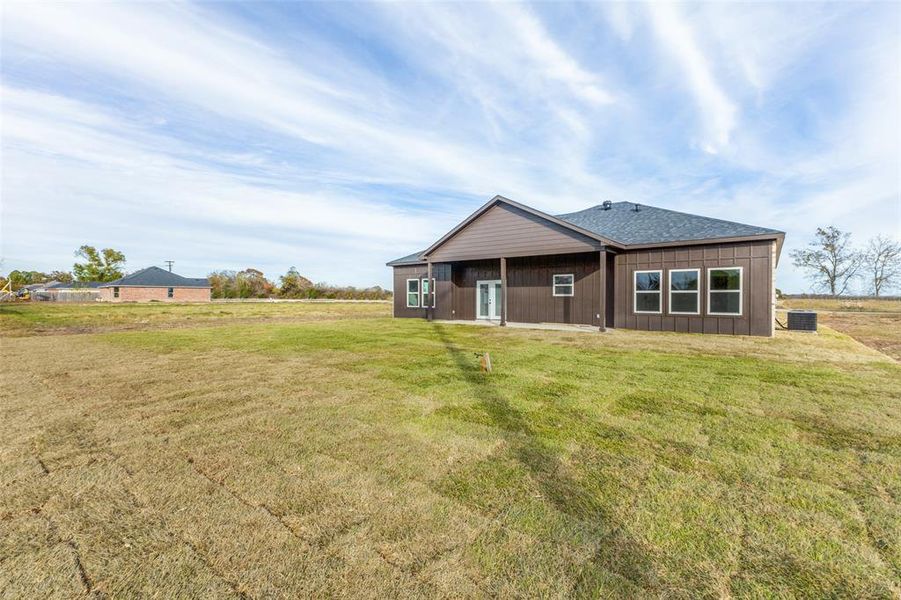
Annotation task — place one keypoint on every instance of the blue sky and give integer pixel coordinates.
(337, 136)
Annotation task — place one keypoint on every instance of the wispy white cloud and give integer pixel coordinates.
(60, 154)
(317, 136)
(717, 110)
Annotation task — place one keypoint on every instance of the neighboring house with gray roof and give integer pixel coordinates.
(639, 266)
(73, 291)
(155, 284)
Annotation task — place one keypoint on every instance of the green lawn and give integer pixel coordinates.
(344, 453)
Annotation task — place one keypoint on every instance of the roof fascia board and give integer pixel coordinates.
(406, 264)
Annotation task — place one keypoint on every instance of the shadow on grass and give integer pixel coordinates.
(615, 551)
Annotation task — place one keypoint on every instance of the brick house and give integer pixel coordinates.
(154, 283)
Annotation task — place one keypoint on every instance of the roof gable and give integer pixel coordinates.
(513, 227)
(505, 230)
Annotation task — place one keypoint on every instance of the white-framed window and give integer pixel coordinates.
(684, 292)
(647, 291)
(724, 291)
(412, 293)
(564, 285)
(428, 290)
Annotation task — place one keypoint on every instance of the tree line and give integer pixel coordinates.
(833, 264)
(109, 264)
(252, 283)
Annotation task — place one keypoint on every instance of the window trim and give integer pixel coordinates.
(431, 292)
(418, 292)
(669, 296)
(635, 292)
(740, 290)
(572, 285)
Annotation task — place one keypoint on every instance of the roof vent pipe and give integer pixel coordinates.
(607, 204)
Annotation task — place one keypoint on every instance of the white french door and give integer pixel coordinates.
(488, 299)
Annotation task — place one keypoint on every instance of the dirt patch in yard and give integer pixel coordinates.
(881, 331)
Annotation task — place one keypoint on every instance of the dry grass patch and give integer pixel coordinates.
(843, 304)
(879, 331)
(369, 457)
(37, 318)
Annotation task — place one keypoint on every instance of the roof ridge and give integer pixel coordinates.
(670, 210)
(601, 205)
(679, 212)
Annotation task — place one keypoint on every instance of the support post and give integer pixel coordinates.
(503, 292)
(602, 277)
(428, 297)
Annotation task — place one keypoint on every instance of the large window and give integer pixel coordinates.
(684, 291)
(412, 293)
(647, 291)
(563, 285)
(724, 288)
(427, 291)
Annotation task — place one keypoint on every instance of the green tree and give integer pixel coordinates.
(251, 283)
(294, 285)
(105, 265)
(222, 284)
(20, 279)
(61, 276)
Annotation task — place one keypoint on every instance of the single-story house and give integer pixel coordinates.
(154, 283)
(639, 266)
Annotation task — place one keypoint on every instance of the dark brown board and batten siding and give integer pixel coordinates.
(756, 259)
(441, 273)
(507, 231)
(530, 288)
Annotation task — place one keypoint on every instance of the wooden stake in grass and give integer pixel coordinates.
(486, 362)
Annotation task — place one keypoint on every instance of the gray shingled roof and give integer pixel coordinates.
(410, 259)
(652, 225)
(157, 277)
(621, 223)
(75, 285)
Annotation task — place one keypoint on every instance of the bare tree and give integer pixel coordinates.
(830, 261)
(882, 263)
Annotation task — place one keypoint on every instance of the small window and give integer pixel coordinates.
(170, 292)
(724, 291)
(115, 292)
(412, 293)
(563, 285)
(427, 291)
(647, 291)
(684, 291)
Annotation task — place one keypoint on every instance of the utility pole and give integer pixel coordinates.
(170, 263)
